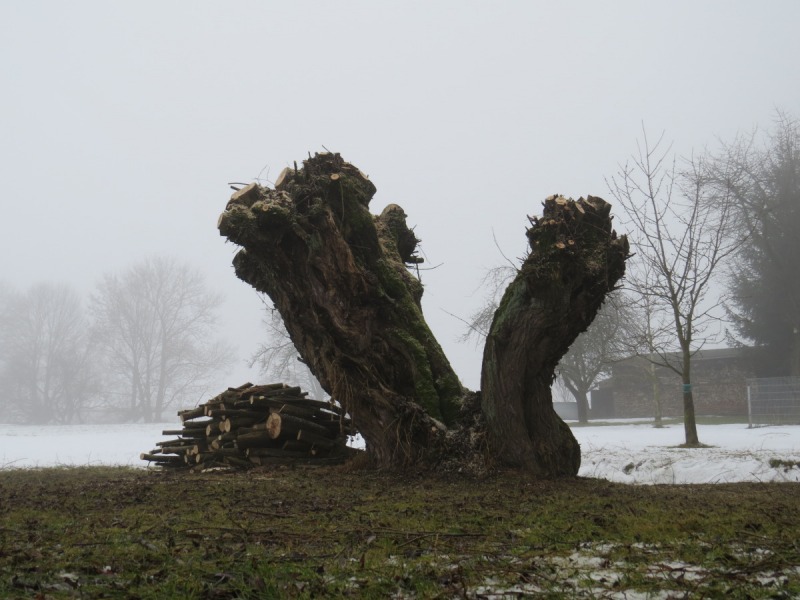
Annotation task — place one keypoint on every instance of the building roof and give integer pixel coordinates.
(699, 355)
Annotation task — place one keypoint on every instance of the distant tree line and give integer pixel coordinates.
(142, 343)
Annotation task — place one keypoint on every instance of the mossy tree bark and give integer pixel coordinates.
(338, 276)
(575, 259)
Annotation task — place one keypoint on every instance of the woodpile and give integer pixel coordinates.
(256, 425)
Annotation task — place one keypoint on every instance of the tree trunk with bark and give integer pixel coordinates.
(339, 278)
(689, 421)
(581, 396)
(575, 259)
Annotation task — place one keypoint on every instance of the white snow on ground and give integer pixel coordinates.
(631, 453)
(78, 445)
(622, 452)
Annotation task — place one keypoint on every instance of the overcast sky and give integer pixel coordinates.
(121, 123)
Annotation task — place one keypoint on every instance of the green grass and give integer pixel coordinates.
(786, 465)
(330, 532)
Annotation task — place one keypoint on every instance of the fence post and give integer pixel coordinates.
(749, 408)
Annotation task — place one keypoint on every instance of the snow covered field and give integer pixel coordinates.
(623, 452)
(642, 454)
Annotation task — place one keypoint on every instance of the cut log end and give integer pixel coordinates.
(244, 426)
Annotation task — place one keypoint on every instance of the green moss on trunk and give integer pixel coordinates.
(338, 277)
(575, 260)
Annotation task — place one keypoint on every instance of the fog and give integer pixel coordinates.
(122, 124)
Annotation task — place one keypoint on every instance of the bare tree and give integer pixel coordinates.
(681, 235)
(649, 331)
(155, 323)
(339, 277)
(595, 351)
(495, 281)
(47, 370)
(278, 358)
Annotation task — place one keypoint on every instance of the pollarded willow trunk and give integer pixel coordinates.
(338, 276)
(575, 259)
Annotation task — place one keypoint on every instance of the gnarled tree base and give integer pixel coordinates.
(575, 259)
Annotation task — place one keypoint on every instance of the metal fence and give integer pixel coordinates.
(773, 401)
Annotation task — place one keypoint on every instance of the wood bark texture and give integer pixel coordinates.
(338, 276)
(575, 259)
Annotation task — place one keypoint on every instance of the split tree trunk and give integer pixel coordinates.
(338, 277)
(575, 259)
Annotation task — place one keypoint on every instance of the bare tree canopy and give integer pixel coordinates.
(649, 331)
(278, 359)
(494, 282)
(45, 357)
(338, 277)
(155, 324)
(681, 234)
(595, 351)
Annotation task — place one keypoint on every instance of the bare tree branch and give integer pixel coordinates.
(682, 236)
(155, 323)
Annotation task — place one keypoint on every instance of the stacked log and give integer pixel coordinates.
(256, 425)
